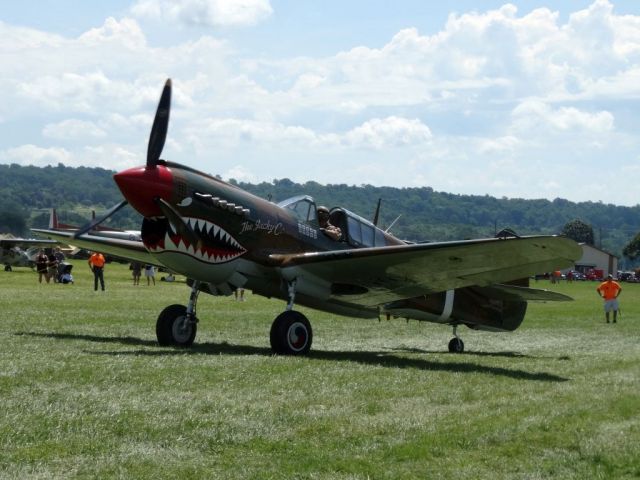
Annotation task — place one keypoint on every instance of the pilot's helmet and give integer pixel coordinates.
(323, 213)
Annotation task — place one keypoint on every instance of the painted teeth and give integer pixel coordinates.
(202, 227)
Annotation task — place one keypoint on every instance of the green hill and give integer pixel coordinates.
(28, 193)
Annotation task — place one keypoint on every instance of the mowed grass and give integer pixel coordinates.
(87, 393)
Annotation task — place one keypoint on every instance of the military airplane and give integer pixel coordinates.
(13, 253)
(223, 238)
(100, 230)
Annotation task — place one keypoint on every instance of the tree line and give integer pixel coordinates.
(417, 213)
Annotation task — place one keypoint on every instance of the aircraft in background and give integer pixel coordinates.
(100, 230)
(223, 238)
(19, 252)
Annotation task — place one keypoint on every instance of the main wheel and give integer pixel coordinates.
(456, 345)
(291, 334)
(7, 268)
(172, 329)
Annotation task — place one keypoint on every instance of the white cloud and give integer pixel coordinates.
(37, 156)
(389, 132)
(111, 156)
(125, 33)
(531, 116)
(205, 12)
(241, 174)
(478, 106)
(73, 129)
(498, 145)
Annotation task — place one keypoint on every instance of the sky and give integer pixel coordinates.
(521, 99)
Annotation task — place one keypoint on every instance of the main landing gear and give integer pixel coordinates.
(177, 325)
(456, 345)
(291, 332)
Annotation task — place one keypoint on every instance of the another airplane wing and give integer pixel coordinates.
(127, 249)
(373, 276)
(25, 242)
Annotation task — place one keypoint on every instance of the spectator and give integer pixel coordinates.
(96, 264)
(150, 273)
(609, 290)
(42, 266)
(136, 271)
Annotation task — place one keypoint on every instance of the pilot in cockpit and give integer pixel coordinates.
(326, 227)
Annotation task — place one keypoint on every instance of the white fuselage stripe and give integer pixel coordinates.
(448, 306)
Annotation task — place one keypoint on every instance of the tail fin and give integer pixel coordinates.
(53, 220)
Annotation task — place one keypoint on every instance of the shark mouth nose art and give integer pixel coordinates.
(215, 245)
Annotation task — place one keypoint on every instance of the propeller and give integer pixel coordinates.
(157, 138)
(93, 223)
(160, 126)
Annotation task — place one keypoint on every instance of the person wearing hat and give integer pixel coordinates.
(610, 290)
(331, 231)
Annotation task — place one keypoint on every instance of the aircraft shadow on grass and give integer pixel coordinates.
(364, 357)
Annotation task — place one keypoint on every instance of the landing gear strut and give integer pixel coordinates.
(291, 332)
(456, 345)
(177, 325)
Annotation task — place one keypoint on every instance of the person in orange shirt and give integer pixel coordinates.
(96, 264)
(610, 290)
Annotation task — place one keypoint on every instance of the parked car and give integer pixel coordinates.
(627, 277)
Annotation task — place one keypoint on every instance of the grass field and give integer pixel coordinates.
(87, 393)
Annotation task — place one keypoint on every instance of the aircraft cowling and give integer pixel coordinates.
(476, 307)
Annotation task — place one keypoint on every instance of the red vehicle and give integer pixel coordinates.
(595, 274)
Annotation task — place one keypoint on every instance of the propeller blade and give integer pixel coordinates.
(182, 228)
(96, 221)
(160, 126)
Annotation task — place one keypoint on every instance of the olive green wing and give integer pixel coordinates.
(374, 276)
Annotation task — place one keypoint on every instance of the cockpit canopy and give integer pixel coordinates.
(303, 206)
(356, 231)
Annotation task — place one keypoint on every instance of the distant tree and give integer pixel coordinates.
(579, 231)
(13, 221)
(632, 250)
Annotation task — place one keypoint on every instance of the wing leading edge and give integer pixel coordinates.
(127, 249)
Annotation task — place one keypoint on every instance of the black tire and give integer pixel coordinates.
(291, 334)
(456, 345)
(169, 327)
(7, 268)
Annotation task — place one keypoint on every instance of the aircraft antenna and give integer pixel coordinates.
(393, 223)
(376, 215)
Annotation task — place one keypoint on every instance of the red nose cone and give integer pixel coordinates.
(142, 185)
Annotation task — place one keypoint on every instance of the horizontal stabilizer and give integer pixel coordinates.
(512, 292)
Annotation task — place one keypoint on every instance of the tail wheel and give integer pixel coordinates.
(291, 334)
(173, 329)
(456, 345)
